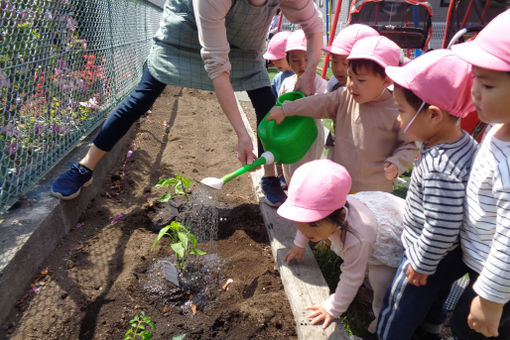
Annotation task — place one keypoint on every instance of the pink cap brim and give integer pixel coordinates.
(335, 50)
(299, 214)
(397, 74)
(476, 55)
(369, 57)
(270, 56)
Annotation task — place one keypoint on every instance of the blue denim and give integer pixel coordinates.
(406, 307)
(458, 322)
(128, 112)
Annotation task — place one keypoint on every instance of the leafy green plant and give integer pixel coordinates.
(138, 325)
(177, 185)
(183, 242)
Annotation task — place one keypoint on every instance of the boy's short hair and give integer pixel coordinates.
(372, 66)
(415, 101)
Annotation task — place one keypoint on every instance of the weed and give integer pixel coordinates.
(177, 185)
(138, 325)
(183, 242)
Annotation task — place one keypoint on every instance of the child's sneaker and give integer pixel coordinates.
(271, 187)
(69, 184)
(283, 182)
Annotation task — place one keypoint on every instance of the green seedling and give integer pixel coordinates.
(138, 325)
(183, 242)
(177, 186)
(179, 337)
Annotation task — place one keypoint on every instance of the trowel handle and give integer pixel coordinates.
(266, 157)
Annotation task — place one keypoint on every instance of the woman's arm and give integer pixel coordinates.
(212, 34)
(227, 100)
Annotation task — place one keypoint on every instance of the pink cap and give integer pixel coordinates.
(491, 47)
(378, 49)
(276, 46)
(296, 41)
(316, 190)
(439, 78)
(344, 40)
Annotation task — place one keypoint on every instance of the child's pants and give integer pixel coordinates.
(458, 323)
(406, 306)
(314, 153)
(145, 94)
(380, 278)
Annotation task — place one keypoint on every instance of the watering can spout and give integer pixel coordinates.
(217, 183)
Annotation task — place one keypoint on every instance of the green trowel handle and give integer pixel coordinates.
(248, 167)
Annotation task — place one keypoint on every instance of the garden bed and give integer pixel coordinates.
(103, 273)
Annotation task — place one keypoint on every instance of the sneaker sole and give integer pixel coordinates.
(70, 197)
(271, 204)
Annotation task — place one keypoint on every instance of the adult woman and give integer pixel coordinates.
(206, 44)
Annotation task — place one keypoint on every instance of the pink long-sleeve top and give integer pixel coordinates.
(367, 136)
(354, 247)
(212, 32)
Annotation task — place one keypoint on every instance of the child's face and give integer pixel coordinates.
(365, 86)
(281, 64)
(406, 113)
(297, 61)
(316, 231)
(491, 95)
(339, 67)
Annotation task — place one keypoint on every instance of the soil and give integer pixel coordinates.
(103, 272)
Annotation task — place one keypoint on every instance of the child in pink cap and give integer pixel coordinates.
(276, 53)
(432, 94)
(364, 230)
(484, 310)
(369, 142)
(340, 49)
(297, 57)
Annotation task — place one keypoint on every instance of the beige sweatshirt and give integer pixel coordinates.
(367, 135)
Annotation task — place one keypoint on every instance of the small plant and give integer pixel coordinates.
(179, 337)
(183, 242)
(177, 186)
(138, 325)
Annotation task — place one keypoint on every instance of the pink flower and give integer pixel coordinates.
(129, 154)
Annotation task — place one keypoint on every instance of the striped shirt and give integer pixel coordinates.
(485, 236)
(434, 203)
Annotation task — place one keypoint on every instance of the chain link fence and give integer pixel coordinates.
(64, 64)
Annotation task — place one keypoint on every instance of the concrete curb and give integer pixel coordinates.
(31, 230)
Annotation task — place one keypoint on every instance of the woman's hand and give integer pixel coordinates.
(294, 253)
(276, 114)
(484, 316)
(245, 150)
(319, 315)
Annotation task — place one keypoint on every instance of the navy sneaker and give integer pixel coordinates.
(69, 184)
(283, 182)
(271, 187)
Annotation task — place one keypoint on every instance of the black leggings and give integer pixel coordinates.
(262, 100)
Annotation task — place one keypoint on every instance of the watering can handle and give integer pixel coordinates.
(266, 158)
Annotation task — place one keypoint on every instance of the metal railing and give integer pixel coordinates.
(64, 64)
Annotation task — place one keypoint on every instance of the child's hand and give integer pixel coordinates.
(295, 252)
(484, 316)
(276, 114)
(415, 278)
(390, 171)
(320, 314)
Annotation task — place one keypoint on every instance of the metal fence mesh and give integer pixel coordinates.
(64, 64)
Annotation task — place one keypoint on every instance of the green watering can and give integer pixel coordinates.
(285, 143)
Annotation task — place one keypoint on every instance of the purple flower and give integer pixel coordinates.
(4, 82)
(11, 148)
(129, 154)
(48, 16)
(71, 24)
(57, 129)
